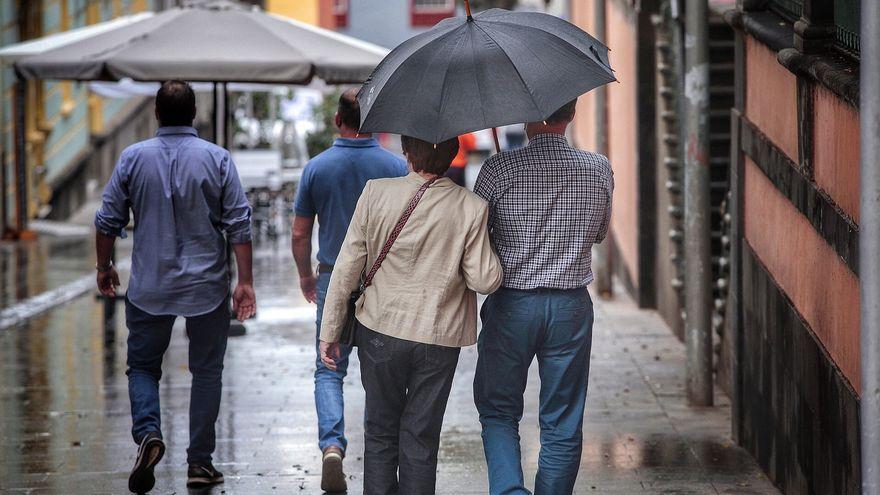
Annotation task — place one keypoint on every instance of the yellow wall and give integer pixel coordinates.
(301, 10)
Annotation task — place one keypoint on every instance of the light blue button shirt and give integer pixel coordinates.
(185, 195)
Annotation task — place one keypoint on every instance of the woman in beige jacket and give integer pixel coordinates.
(419, 311)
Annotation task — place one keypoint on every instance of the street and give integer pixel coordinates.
(64, 413)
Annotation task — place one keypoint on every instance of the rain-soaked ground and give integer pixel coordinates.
(64, 413)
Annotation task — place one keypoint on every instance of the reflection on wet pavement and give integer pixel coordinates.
(64, 413)
(28, 268)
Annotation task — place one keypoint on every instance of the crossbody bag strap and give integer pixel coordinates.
(396, 232)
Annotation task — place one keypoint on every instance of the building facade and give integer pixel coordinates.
(784, 152)
(71, 134)
(315, 12)
(389, 22)
(796, 226)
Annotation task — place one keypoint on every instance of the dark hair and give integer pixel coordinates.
(175, 104)
(349, 109)
(428, 157)
(564, 114)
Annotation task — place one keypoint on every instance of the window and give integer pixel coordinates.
(430, 12)
(843, 14)
(790, 9)
(340, 13)
(846, 23)
(427, 6)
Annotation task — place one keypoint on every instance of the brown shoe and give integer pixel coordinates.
(332, 476)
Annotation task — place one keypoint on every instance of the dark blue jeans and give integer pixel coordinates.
(329, 401)
(148, 338)
(407, 387)
(556, 327)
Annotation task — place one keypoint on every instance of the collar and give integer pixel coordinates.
(417, 178)
(356, 142)
(549, 138)
(177, 129)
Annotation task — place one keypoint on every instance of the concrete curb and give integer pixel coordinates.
(39, 304)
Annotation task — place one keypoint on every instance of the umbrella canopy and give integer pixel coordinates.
(220, 42)
(493, 69)
(17, 51)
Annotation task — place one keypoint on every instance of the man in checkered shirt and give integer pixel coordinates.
(548, 204)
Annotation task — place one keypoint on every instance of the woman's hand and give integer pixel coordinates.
(330, 352)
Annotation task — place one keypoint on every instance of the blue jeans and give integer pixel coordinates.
(328, 385)
(556, 326)
(148, 338)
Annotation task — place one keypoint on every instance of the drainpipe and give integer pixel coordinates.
(604, 283)
(869, 246)
(698, 292)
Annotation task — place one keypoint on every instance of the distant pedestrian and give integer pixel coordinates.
(188, 203)
(420, 309)
(548, 204)
(330, 187)
(467, 144)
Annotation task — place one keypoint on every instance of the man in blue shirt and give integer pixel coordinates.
(187, 202)
(330, 187)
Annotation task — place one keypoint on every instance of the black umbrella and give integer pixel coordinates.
(492, 69)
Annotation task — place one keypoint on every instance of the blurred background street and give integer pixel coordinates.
(769, 323)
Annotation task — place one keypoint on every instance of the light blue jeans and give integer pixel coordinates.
(556, 327)
(328, 385)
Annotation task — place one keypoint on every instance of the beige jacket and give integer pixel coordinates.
(424, 291)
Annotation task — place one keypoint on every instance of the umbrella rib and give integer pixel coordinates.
(476, 81)
(446, 76)
(525, 85)
(600, 63)
(393, 70)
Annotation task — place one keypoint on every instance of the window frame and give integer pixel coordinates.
(851, 46)
(790, 10)
(424, 16)
(341, 8)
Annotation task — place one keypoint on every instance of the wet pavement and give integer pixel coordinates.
(64, 413)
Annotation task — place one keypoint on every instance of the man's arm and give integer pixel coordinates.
(110, 222)
(301, 244)
(606, 220)
(244, 300)
(485, 186)
(108, 279)
(236, 222)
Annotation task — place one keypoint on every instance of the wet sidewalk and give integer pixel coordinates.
(64, 413)
(56, 267)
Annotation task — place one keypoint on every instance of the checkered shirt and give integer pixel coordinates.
(548, 204)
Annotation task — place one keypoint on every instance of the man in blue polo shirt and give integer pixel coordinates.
(330, 187)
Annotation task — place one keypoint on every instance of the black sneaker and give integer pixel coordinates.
(203, 475)
(150, 453)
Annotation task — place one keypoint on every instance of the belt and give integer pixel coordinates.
(546, 290)
(323, 268)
